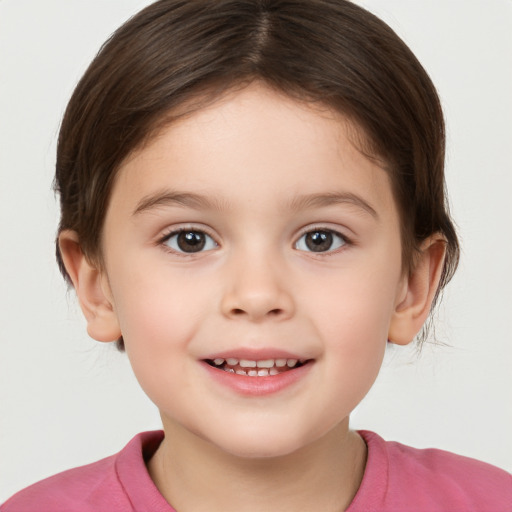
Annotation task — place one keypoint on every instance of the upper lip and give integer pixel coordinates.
(251, 354)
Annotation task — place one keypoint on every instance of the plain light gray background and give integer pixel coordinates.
(66, 400)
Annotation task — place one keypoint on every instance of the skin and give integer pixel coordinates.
(255, 156)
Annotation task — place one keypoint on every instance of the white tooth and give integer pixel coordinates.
(252, 373)
(280, 363)
(273, 371)
(267, 363)
(241, 372)
(263, 373)
(218, 361)
(232, 361)
(291, 363)
(244, 363)
(229, 370)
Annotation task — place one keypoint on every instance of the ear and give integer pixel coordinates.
(92, 288)
(418, 291)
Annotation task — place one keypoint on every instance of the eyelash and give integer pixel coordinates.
(346, 242)
(163, 241)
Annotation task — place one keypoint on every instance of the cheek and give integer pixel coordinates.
(353, 320)
(357, 304)
(157, 310)
(357, 341)
(158, 318)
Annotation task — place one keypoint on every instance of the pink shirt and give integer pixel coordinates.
(397, 478)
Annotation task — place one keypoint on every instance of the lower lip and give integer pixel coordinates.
(258, 386)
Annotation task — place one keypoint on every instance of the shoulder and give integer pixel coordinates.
(66, 491)
(436, 480)
(97, 487)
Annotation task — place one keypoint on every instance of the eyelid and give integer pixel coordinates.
(348, 241)
(186, 226)
(176, 230)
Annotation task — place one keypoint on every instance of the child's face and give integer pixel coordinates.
(290, 250)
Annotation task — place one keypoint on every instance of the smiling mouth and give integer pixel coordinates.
(259, 368)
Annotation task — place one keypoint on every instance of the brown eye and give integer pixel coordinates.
(189, 241)
(320, 240)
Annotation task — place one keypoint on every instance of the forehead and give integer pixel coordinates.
(254, 145)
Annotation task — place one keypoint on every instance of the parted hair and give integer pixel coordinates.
(176, 56)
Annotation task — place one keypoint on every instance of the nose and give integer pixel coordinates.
(257, 289)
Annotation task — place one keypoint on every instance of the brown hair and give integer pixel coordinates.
(178, 53)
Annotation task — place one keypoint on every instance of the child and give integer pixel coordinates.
(252, 201)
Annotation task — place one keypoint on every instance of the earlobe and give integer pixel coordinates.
(418, 291)
(92, 289)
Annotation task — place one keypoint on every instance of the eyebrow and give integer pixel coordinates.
(308, 201)
(199, 201)
(172, 198)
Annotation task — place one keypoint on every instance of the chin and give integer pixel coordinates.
(261, 443)
(258, 450)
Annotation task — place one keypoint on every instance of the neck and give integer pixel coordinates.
(194, 475)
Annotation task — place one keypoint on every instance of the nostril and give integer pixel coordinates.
(272, 312)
